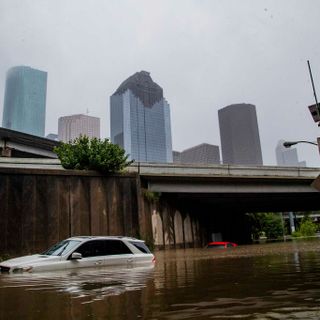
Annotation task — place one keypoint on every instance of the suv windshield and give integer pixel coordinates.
(62, 247)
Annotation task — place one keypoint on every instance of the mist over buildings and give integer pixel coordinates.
(205, 54)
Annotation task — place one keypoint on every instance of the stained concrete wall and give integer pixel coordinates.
(37, 210)
(41, 207)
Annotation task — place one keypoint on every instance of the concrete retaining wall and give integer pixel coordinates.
(39, 208)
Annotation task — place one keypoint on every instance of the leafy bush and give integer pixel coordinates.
(272, 226)
(92, 154)
(307, 227)
(151, 197)
(296, 234)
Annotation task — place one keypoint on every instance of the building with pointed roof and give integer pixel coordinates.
(140, 119)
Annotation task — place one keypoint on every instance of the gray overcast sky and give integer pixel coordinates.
(206, 54)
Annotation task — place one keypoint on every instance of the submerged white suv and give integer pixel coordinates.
(84, 251)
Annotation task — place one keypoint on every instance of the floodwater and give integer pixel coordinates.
(269, 281)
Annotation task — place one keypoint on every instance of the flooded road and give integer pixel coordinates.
(270, 281)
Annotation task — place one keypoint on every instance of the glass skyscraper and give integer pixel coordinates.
(140, 119)
(25, 100)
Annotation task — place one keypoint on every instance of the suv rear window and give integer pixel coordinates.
(140, 246)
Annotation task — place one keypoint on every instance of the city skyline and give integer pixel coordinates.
(215, 54)
(71, 126)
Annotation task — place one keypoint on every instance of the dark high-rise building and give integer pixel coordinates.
(25, 100)
(140, 119)
(239, 134)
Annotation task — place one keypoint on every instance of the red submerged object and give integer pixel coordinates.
(221, 244)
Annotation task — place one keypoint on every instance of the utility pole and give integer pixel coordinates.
(313, 88)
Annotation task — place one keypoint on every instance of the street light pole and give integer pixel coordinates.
(289, 144)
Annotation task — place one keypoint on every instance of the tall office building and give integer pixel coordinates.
(203, 153)
(287, 157)
(140, 119)
(25, 100)
(71, 127)
(239, 134)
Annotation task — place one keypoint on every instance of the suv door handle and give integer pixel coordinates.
(129, 260)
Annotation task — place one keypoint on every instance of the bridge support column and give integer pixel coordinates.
(291, 220)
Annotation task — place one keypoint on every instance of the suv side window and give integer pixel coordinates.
(95, 248)
(116, 247)
(92, 248)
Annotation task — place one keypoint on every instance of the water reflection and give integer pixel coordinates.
(273, 281)
(91, 284)
(243, 283)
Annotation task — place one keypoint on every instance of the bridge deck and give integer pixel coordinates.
(238, 187)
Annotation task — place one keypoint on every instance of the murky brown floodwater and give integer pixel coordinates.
(272, 281)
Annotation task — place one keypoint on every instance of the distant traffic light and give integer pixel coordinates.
(314, 110)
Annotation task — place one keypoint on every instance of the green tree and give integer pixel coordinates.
(256, 224)
(272, 226)
(92, 154)
(268, 223)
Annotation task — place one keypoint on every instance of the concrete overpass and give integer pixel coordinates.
(22, 145)
(222, 187)
(250, 189)
(197, 202)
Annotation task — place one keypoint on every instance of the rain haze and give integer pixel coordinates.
(205, 54)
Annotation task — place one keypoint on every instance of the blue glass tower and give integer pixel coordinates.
(25, 100)
(140, 119)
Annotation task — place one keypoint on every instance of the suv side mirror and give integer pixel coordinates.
(76, 256)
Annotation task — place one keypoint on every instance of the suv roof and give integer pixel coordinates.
(82, 238)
